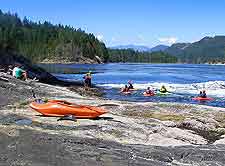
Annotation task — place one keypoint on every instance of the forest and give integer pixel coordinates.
(45, 42)
(40, 41)
(129, 55)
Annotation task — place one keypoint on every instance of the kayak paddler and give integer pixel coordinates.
(163, 89)
(130, 85)
(200, 94)
(125, 89)
(149, 91)
(204, 94)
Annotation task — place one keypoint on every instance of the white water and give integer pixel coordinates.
(213, 88)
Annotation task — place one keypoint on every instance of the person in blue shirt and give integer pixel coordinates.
(19, 73)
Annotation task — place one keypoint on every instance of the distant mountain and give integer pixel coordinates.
(159, 48)
(177, 48)
(133, 47)
(207, 50)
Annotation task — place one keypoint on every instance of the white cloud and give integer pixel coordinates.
(100, 37)
(169, 40)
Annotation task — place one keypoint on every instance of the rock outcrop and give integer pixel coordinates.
(130, 134)
(9, 58)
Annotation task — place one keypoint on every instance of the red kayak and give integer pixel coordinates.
(202, 98)
(146, 94)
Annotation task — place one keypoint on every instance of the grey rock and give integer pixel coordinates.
(36, 148)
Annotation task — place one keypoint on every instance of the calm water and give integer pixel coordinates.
(183, 80)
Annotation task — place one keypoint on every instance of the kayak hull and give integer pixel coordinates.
(202, 99)
(126, 93)
(62, 108)
(163, 93)
(148, 95)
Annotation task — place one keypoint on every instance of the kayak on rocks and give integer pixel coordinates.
(62, 108)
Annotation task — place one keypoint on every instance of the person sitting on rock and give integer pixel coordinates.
(19, 73)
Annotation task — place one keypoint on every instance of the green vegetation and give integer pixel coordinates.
(129, 55)
(207, 50)
(45, 41)
(20, 105)
(58, 43)
(155, 115)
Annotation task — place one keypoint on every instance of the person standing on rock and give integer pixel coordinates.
(87, 80)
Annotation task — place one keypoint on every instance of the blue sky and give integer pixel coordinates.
(120, 22)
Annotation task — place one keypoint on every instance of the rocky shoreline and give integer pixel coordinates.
(130, 134)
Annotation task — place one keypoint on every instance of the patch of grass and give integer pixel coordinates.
(163, 105)
(169, 117)
(36, 123)
(175, 106)
(220, 117)
(116, 133)
(45, 100)
(20, 105)
(155, 115)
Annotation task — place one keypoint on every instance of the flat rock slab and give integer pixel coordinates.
(3, 100)
(29, 147)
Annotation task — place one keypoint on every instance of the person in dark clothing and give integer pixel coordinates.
(130, 86)
(87, 80)
(204, 94)
(200, 94)
(149, 91)
(125, 89)
(163, 89)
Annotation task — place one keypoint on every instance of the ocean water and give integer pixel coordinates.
(183, 80)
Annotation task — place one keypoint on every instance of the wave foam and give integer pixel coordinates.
(213, 88)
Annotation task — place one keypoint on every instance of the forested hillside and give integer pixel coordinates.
(47, 42)
(207, 50)
(129, 55)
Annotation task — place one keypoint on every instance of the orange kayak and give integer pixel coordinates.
(62, 108)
